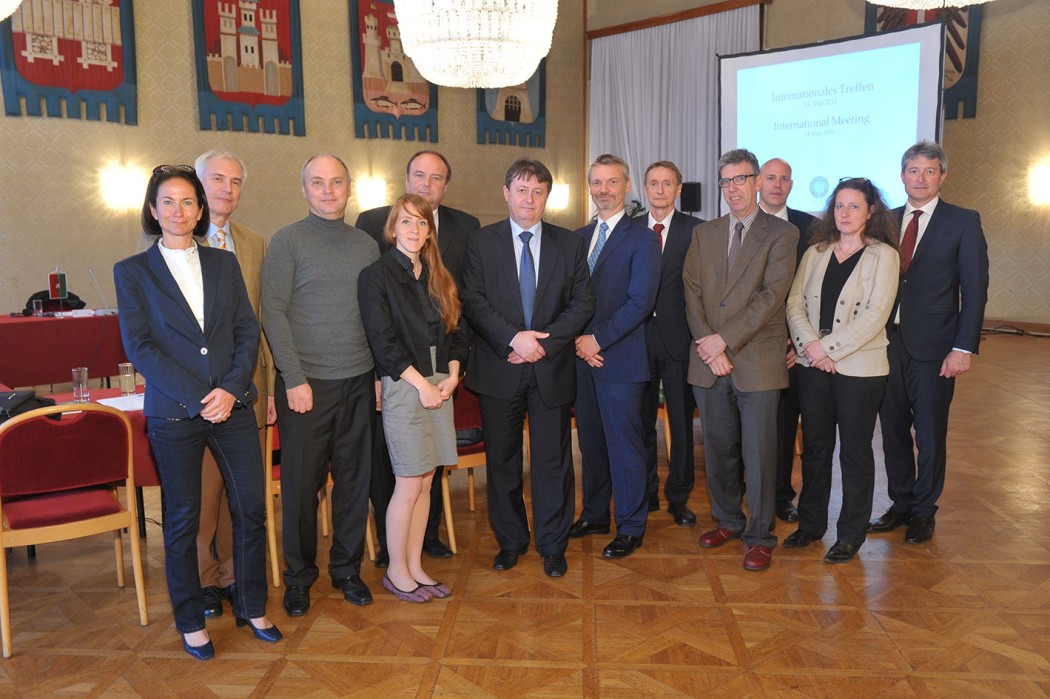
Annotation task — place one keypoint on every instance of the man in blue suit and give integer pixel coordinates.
(613, 363)
(934, 331)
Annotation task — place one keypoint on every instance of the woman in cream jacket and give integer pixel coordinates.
(837, 312)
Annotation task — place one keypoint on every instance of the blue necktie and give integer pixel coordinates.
(527, 278)
(592, 259)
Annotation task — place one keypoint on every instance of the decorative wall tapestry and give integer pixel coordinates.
(69, 54)
(249, 56)
(962, 46)
(391, 98)
(515, 115)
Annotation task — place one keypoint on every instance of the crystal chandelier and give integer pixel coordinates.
(928, 4)
(476, 43)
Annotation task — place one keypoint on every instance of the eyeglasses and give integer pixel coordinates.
(739, 180)
(168, 169)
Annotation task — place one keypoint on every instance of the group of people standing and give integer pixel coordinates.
(369, 330)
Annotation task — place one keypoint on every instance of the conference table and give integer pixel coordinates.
(39, 351)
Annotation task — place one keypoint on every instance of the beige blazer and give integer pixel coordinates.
(858, 340)
(746, 305)
(250, 249)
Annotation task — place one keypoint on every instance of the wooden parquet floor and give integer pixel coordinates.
(966, 615)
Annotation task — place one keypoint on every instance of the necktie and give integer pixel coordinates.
(221, 235)
(911, 234)
(527, 278)
(734, 245)
(659, 229)
(592, 259)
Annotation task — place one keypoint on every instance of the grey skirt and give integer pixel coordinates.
(418, 439)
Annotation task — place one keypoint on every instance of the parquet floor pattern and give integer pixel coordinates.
(966, 615)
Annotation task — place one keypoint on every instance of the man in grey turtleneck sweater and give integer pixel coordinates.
(325, 390)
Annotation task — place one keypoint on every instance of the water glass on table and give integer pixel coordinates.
(81, 392)
(127, 379)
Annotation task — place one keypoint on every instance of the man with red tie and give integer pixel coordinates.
(934, 331)
(669, 343)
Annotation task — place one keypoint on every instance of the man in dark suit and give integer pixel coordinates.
(737, 274)
(933, 333)
(427, 174)
(527, 295)
(669, 344)
(774, 186)
(613, 363)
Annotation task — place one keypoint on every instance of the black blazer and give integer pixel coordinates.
(182, 363)
(395, 322)
(802, 221)
(670, 326)
(492, 304)
(943, 294)
(454, 230)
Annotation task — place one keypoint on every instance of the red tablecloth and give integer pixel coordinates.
(37, 351)
(145, 467)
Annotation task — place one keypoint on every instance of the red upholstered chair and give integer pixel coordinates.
(58, 481)
(467, 416)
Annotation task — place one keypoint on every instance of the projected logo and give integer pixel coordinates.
(961, 48)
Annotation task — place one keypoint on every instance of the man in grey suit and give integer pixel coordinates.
(737, 274)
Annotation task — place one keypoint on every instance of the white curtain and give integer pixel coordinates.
(654, 96)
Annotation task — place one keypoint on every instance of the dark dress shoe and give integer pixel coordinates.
(296, 600)
(382, 559)
(508, 558)
(841, 552)
(270, 635)
(758, 557)
(436, 549)
(622, 546)
(919, 529)
(212, 601)
(654, 503)
(888, 521)
(205, 652)
(584, 528)
(683, 516)
(799, 539)
(716, 537)
(554, 565)
(787, 512)
(354, 590)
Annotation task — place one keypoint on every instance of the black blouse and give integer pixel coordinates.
(835, 278)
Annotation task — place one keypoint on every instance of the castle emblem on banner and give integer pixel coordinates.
(391, 98)
(249, 65)
(70, 58)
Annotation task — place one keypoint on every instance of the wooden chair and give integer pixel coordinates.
(272, 476)
(467, 411)
(58, 481)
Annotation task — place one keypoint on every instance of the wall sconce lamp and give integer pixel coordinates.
(370, 192)
(1039, 183)
(123, 186)
(559, 197)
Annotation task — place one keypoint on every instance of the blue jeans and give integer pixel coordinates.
(178, 447)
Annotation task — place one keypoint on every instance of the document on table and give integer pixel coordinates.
(125, 403)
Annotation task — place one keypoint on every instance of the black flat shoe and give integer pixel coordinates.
(435, 549)
(622, 546)
(919, 529)
(799, 539)
(205, 652)
(584, 528)
(889, 521)
(683, 516)
(508, 558)
(270, 635)
(841, 552)
(296, 600)
(354, 590)
(212, 601)
(554, 565)
(786, 511)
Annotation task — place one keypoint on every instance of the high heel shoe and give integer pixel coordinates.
(270, 635)
(205, 652)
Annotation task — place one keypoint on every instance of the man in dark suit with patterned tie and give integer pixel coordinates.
(427, 174)
(612, 366)
(774, 186)
(527, 295)
(934, 331)
(669, 343)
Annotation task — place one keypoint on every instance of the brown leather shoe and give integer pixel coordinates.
(758, 557)
(716, 537)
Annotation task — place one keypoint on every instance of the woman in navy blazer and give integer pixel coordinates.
(411, 313)
(188, 327)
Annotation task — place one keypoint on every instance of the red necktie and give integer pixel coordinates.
(659, 228)
(911, 234)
